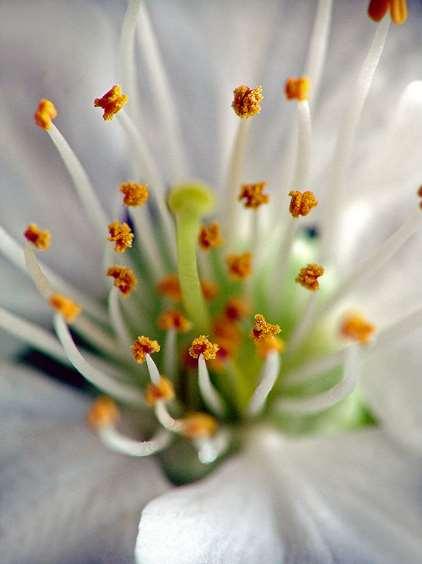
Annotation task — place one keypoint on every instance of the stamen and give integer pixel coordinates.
(142, 347)
(269, 344)
(297, 88)
(210, 236)
(203, 346)
(308, 276)
(398, 11)
(236, 309)
(378, 8)
(166, 420)
(45, 113)
(247, 101)
(240, 266)
(114, 440)
(153, 371)
(67, 308)
(420, 196)
(354, 326)
(263, 329)
(209, 394)
(163, 390)
(112, 102)
(268, 378)
(199, 425)
(169, 286)
(40, 238)
(134, 194)
(301, 203)
(122, 236)
(253, 195)
(209, 290)
(124, 278)
(173, 319)
(102, 413)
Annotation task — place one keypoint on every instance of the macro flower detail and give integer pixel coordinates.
(45, 114)
(122, 236)
(134, 194)
(124, 278)
(112, 102)
(301, 203)
(40, 238)
(297, 88)
(247, 101)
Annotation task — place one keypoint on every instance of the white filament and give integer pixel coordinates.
(83, 186)
(211, 448)
(318, 45)
(313, 369)
(40, 280)
(166, 420)
(153, 371)
(116, 318)
(303, 153)
(270, 372)
(401, 328)
(281, 263)
(113, 439)
(325, 400)
(170, 354)
(127, 55)
(209, 394)
(98, 378)
(302, 328)
(145, 240)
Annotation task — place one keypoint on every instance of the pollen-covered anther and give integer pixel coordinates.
(262, 328)
(253, 195)
(134, 194)
(143, 346)
(398, 10)
(247, 101)
(210, 236)
(45, 113)
(420, 196)
(301, 203)
(124, 278)
(169, 286)
(354, 326)
(268, 344)
(236, 309)
(102, 413)
(112, 102)
(199, 425)
(173, 319)
(240, 266)
(40, 238)
(297, 88)
(163, 391)
(202, 345)
(65, 306)
(308, 276)
(209, 289)
(121, 234)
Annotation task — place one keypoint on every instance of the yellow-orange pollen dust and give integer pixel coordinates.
(45, 113)
(236, 309)
(210, 236)
(209, 289)
(173, 319)
(202, 345)
(102, 413)
(112, 102)
(297, 88)
(269, 343)
(247, 101)
(143, 346)
(253, 195)
(240, 266)
(134, 194)
(301, 203)
(308, 276)
(40, 238)
(121, 234)
(65, 306)
(398, 10)
(354, 326)
(124, 278)
(262, 328)
(163, 391)
(169, 286)
(199, 426)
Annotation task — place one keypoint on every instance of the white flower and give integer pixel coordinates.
(314, 441)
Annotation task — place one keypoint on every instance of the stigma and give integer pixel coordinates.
(40, 238)
(134, 194)
(247, 101)
(143, 346)
(301, 203)
(253, 195)
(112, 102)
(45, 113)
(124, 278)
(308, 276)
(297, 88)
(122, 236)
(65, 306)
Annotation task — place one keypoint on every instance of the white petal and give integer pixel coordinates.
(65, 498)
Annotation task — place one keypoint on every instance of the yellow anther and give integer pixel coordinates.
(169, 286)
(420, 196)
(173, 319)
(269, 343)
(262, 328)
(124, 278)
(65, 306)
(240, 266)
(163, 391)
(301, 203)
(112, 102)
(134, 194)
(308, 276)
(247, 101)
(236, 309)
(253, 195)
(121, 234)
(102, 413)
(297, 88)
(45, 113)
(199, 426)
(143, 346)
(209, 289)
(202, 345)
(40, 238)
(210, 236)
(398, 10)
(354, 326)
